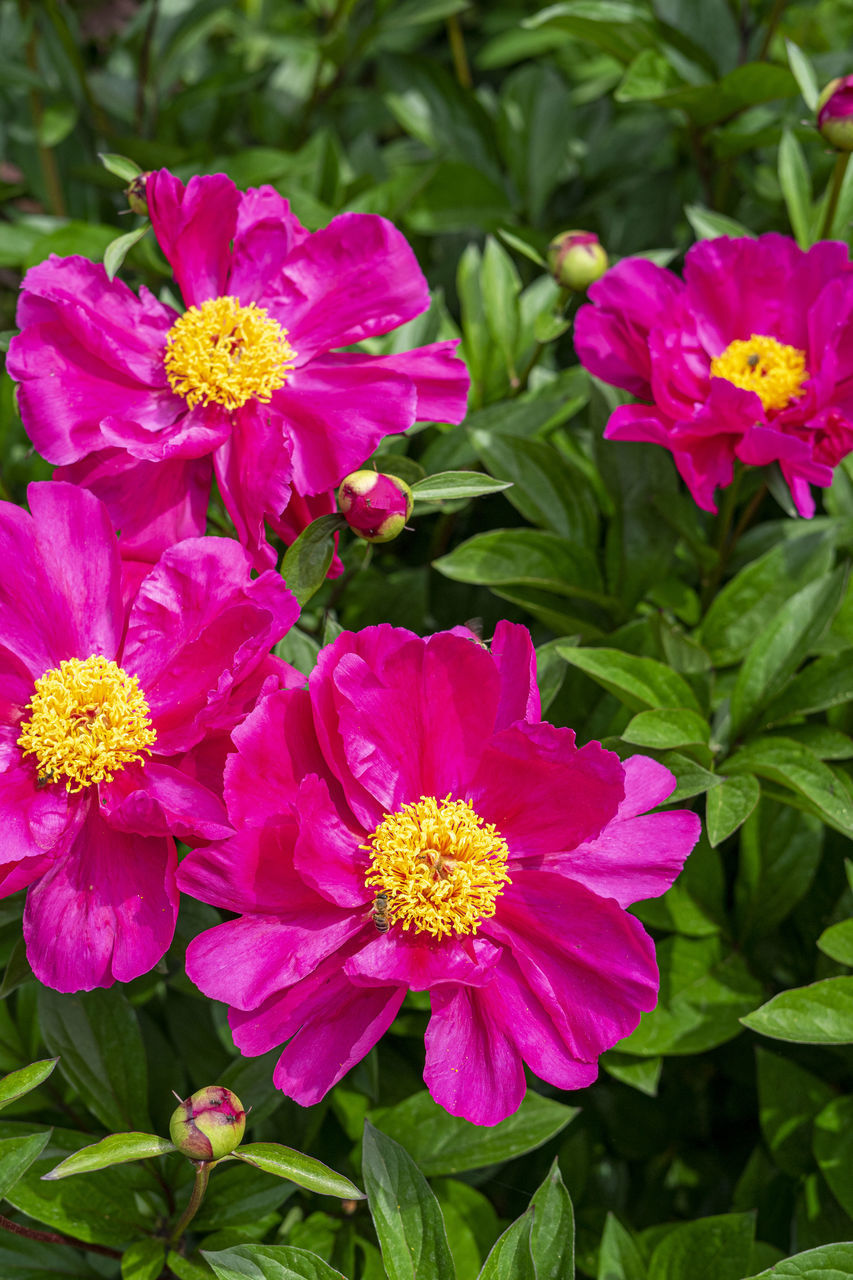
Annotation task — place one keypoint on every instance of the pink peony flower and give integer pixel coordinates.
(120, 388)
(748, 357)
(407, 822)
(113, 725)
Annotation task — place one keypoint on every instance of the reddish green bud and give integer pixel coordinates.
(835, 113)
(576, 260)
(209, 1124)
(137, 195)
(375, 506)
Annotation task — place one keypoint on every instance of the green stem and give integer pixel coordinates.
(727, 510)
(202, 1175)
(563, 298)
(772, 24)
(457, 49)
(841, 162)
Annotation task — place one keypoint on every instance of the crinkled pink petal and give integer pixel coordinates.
(332, 417)
(421, 962)
(355, 279)
(35, 820)
(328, 855)
(152, 504)
(157, 799)
(472, 1067)
(252, 873)
(105, 912)
(194, 226)
(33, 613)
(515, 658)
(267, 232)
(641, 423)
(16, 689)
(440, 378)
(253, 470)
(198, 621)
(542, 792)
(638, 854)
(193, 433)
(591, 964)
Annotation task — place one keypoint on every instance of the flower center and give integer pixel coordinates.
(774, 371)
(438, 865)
(225, 353)
(88, 720)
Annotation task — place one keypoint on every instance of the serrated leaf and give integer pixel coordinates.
(457, 484)
(306, 561)
(116, 252)
(445, 1144)
(821, 1013)
(121, 166)
(405, 1211)
(117, 1148)
(18, 1083)
(729, 805)
(304, 1170)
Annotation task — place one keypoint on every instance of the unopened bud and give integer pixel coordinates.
(137, 198)
(375, 506)
(209, 1124)
(835, 113)
(576, 260)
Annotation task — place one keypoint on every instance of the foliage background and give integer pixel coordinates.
(718, 1138)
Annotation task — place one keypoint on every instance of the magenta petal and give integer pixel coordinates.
(591, 964)
(472, 1067)
(251, 873)
(194, 226)
(267, 232)
(165, 801)
(515, 658)
(104, 912)
(421, 962)
(33, 613)
(440, 378)
(355, 279)
(253, 469)
(333, 416)
(35, 821)
(328, 853)
(542, 792)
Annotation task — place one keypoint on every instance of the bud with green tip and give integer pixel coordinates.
(576, 260)
(375, 506)
(209, 1124)
(136, 193)
(835, 113)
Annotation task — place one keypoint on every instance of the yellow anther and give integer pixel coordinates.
(225, 353)
(88, 719)
(774, 371)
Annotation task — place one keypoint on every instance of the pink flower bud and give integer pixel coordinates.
(835, 113)
(375, 506)
(576, 260)
(209, 1124)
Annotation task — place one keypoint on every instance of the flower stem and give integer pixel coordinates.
(770, 29)
(202, 1174)
(841, 162)
(51, 1237)
(457, 49)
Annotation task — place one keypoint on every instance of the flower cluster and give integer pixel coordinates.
(745, 358)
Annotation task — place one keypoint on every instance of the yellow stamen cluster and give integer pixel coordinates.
(225, 353)
(88, 719)
(773, 370)
(440, 866)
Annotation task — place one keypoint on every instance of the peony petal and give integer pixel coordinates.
(440, 378)
(156, 799)
(515, 658)
(35, 820)
(267, 232)
(421, 962)
(251, 873)
(194, 226)
(103, 913)
(328, 853)
(33, 614)
(472, 1067)
(253, 470)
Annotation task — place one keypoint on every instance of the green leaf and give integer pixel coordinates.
(779, 649)
(747, 603)
(703, 996)
(619, 1258)
(552, 1235)
(116, 252)
(640, 1073)
(826, 682)
(693, 779)
(789, 1098)
(119, 166)
(97, 1040)
(505, 557)
(269, 1262)
(304, 1170)
(798, 769)
(780, 850)
(501, 286)
(795, 180)
(118, 1148)
(510, 1258)
(729, 805)
(18, 1083)
(16, 1156)
(522, 246)
(640, 683)
(405, 1211)
(670, 727)
(306, 562)
(821, 1013)
(457, 484)
(715, 1248)
(143, 1260)
(619, 29)
(445, 1144)
(837, 942)
(707, 224)
(804, 74)
(833, 1148)
(828, 1262)
(547, 489)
